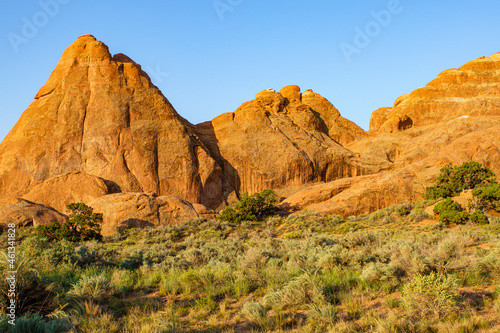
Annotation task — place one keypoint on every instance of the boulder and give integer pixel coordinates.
(59, 191)
(138, 210)
(24, 213)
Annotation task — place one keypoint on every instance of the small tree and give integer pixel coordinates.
(82, 225)
(453, 180)
(251, 207)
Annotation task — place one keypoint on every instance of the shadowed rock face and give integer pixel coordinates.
(101, 115)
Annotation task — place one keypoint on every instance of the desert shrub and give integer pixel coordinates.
(334, 256)
(418, 215)
(488, 267)
(377, 273)
(33, 294)
(486, 197)
(353, 304)
(91, 287)
(450, 212)
(133, 261)
(292, 235)
(322, 313)
(429, 295)
(124, 280)
(170, 284)
(251, 207)
(256, 313)
(404, 208)
(453, 180)
(449, 255)
(252, 263)
(478, 217)
(396, 323)
(90, 319)
(81, 225)
(94, 253)
(34, 323)
(337, 283)
(48, 254)
(360, 238)
(300, 291)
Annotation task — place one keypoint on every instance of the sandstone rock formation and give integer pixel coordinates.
(360, 195)
(101, 133)
(340, 129)
(455, 118)
(378, 118)
(282, 139)
(59, 191)
(24, 213)
(101, 115)
(471, 90)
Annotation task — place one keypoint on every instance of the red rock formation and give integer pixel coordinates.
(101, 115)
(25, 213)
(471, 90)
(137, 210)
(59, 191)
(278, 141)
(99, 127)
(454, 119)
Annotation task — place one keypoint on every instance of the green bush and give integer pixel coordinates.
(82, 225)
(47, 254)
(478, 217)
(133, 261)
(91, 287)
(429, 295)
(404, 209)
(450, 212)
(486, 197)
(251, 207)
(299, 292)
(453, 180)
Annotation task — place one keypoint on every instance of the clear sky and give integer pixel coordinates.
(210, 56)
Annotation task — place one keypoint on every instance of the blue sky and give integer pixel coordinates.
(210, 56)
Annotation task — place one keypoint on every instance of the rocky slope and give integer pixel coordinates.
(100, 132)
